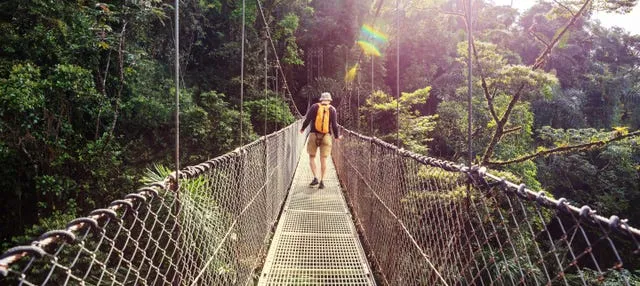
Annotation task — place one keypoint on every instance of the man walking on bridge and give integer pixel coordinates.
(326, 122)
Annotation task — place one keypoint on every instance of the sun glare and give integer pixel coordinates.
(351, 74)
(374, 34)
(369, 48)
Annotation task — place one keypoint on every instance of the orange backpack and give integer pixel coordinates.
(322, 118)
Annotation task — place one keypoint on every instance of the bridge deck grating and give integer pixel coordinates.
(315, 242)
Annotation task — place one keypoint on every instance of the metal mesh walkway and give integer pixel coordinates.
(316, 242)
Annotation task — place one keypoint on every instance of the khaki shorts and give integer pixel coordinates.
(319, 140)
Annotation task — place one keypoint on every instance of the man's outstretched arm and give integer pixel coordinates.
(334, 123)
(311, 113)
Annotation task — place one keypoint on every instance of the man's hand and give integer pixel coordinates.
(339, 137)
(301, 131)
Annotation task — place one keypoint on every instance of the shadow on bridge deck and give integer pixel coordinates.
(316, 242)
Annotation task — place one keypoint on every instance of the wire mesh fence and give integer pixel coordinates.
(210, 232)
(425, 222)
(432, 222)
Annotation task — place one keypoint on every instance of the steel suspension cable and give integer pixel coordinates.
(398, 72)
(358, 96)
(371, 112)
(266, 86)
(373, 21)
(469, 85)
(279, 67)
(177, 80)
(359, 59)
(242, 74)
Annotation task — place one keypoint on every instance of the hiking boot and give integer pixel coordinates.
(321, 185)
(314, 182)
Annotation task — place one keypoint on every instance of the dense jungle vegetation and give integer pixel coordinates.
(86, 92)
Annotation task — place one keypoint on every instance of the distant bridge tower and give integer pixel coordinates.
(314, 63)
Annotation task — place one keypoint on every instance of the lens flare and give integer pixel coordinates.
(351, 74)
(374, 34)
(369, 48)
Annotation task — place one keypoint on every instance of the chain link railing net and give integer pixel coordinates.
(423, 226)
(211, 232)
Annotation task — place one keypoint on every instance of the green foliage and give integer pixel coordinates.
(451, 129)
(210, 126)
(286, 29)
(503, 80)
(604, 178)
(209, 4)
(311, 92)
(610, 277)
(157, 173)
(504, 76)
(619, 6)
(86, 95)
(273, 112)
(414, 128)
(202, 213)
(56, 220)
(22, 91)
(565, 109)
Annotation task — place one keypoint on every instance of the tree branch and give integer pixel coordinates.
(120, 87)
(495, 91)
(102, 83)
(539, 39)
(511, 130)
(476, 132)
(485, 89)
(565, 7)
(106, 74)
(540, 61)
(500, 126)
(563, 149)
(120, 77)
(495, 139)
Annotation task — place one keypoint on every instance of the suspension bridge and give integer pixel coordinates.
(407, 220)
(388, 216)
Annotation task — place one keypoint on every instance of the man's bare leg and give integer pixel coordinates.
(312, 162)
(323, 167)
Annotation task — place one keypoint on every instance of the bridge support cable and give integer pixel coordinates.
(358, 99)
(370, 96)
(177, 83)
(497, 233)
(279, 66)
(469, 23)
(242, 73)
(398, 31)
(266, 84)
